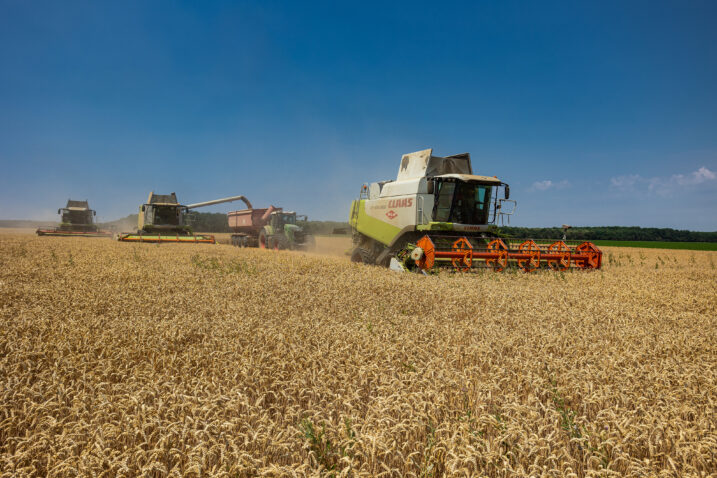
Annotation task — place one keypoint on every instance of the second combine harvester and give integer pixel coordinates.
(163, 219)
(437, 213)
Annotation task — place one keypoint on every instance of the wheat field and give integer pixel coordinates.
(198, 360)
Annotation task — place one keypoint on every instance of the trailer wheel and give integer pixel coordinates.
(262, 240)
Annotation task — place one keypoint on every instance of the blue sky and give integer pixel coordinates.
(596, 113)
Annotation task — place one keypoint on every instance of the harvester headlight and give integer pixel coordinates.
(417, 254)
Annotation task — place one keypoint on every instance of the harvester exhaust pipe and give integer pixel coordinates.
(219, 201)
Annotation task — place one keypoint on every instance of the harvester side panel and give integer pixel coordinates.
(372, 224)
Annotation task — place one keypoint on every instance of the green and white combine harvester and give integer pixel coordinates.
(76, 220)
(438, 214)
(163, 219)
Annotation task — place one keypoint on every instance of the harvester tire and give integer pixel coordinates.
(361, 255)
(281, 243)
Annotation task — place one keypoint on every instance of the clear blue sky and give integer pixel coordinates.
(596, 113)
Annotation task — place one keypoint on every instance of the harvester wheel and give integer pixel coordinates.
(361, 255)
(263, 242)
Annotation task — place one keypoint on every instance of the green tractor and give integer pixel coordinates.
(269, 228)
(283, 232)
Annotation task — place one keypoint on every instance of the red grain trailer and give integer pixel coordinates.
(247, 224)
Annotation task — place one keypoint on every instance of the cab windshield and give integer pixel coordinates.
(288, 219)
(462, 202)
(77, 217)
(166, 215)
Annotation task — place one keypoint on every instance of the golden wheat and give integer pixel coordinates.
(197, 360)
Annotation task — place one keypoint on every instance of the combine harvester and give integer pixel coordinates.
(438, 214)
(269, 228)
(163, 219)
(77, 220)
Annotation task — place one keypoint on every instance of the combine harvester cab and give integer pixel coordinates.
(77, 220)
(163, 219)
(269, 228)
(438, 214)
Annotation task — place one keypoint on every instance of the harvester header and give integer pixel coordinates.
(438, 213)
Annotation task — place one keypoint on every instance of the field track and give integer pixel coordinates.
(198, 360)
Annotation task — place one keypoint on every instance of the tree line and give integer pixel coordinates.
(612, 233)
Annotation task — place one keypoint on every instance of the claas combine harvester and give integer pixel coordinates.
(76, 220)
(163, 219)
(438, 214)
